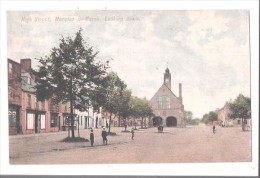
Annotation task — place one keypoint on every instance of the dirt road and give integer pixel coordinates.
(175, 145)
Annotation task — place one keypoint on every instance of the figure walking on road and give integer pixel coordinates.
(104, 135)
(214, 129)
(91, 137)
(133, 133)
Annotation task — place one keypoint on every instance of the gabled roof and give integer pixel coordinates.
(164, 85)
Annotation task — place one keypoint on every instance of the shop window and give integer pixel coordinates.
(42, 121)
(30, 118)
(54, 120)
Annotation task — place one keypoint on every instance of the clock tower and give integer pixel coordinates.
(167, 78)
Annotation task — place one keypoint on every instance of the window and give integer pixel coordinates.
(10, 67)
(42, 121)
(28, 101)
(164, 102)
(37, 104)
(29, 80)
(30, 121)
(160, 102)
(43, 105)
(168, 102)
(54, 120)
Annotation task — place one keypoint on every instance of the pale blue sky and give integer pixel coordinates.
(207, 51)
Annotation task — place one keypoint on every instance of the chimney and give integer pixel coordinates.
(180, 92)
(26, 64)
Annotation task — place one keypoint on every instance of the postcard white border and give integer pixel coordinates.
(192, 169)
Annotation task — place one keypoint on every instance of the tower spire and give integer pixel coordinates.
(167, 77)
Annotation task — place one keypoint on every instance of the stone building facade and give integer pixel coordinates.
(167, 107)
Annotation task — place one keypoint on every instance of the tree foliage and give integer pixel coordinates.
(71, 73)
(241, 108)
(117, 97)
(209, 117)
(189, 120)
(140, 108)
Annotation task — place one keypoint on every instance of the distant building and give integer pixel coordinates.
(223, 115)
(167, 107)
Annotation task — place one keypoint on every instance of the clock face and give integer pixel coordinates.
(167, 80)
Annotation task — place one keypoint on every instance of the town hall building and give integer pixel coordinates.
(167, 107)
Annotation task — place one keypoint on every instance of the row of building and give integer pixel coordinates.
(28, 115)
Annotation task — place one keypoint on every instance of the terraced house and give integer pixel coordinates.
(27, 115)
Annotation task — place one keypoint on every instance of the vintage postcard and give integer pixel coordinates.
(140, 89)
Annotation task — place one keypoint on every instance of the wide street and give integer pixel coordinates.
(174, 145)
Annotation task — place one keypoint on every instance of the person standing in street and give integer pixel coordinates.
(91, 137)
(133, 133)
(214, 128)
(104, 135)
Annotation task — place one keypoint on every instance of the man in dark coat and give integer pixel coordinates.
(104, 136)
(91, 137)
(133, 133)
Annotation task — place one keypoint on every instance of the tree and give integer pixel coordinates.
(241, 108)
(209, 117)
(140, 108)
(116, 95)
(70, 73)
(189, 120)
(188, 115)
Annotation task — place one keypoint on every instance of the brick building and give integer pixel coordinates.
(14, 96)
(27, 115)
(167, 107)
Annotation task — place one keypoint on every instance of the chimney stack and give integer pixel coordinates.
(180, 92)
(26, 64)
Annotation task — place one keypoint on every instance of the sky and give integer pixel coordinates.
(205, 50)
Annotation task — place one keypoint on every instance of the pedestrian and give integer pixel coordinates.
(214, 129)
(133, 133)
(91, 137)
(104, 135)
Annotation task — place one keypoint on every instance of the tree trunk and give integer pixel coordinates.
(71, 110)
(142, 122)
(243, 124)
(119, 122)
(109, 125)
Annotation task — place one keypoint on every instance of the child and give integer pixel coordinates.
(92, 138)
(214, 129)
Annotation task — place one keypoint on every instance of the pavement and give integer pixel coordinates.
(195, 144)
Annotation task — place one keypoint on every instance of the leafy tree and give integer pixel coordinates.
(188, 115)
(241, 108)
(209, 117)
(212, 116)
(71, 74)
(189, 120)
(124, 104)
(117, 97)
(140, 108)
